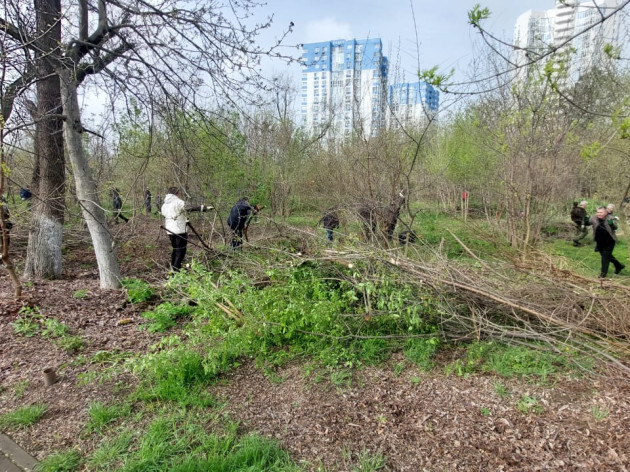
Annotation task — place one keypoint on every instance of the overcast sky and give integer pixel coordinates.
(444, 35)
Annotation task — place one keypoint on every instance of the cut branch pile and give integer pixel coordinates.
(510, 302)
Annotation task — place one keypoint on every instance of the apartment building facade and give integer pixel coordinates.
(344, 87)
(574, 27)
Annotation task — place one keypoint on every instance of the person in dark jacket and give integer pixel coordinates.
(117, 205)
(239, 215)
(158, 203)
(605, 239)
(25, 194)
(407, 236)
(330, 222)
(147, 201)
(580, 220)
(392, 214)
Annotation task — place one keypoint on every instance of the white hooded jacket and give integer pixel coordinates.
(174, 214)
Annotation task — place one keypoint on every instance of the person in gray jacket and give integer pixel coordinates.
(604, 229)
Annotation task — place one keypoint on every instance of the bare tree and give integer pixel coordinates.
(198, 53)
(43, 258)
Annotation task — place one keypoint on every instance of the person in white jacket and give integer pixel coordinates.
(175, 222)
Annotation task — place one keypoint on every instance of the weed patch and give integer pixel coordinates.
(176, 442)
(103, 415)
(138, 291)
(165, 316)
(67, 461)
(23, 417)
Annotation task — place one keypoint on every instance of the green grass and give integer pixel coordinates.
(103, 415)
(527, 404)
(70, 343)
(509, 361)
(420, 351)
(501, 390)
(584, 260)
(111, 452)
(178, 442)
(367, 462)
(80, 294)
(23, 416)
(599, 413)
(67, 461)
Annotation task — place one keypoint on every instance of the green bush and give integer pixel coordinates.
(138, 291)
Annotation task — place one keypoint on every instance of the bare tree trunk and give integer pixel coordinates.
(4, 231)
(43, 255)
(87, 196)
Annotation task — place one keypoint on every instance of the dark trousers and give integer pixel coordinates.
(607, 257)
(179, 243)
(329, 234)
(237, 237)
(580, 233)
(121, 216)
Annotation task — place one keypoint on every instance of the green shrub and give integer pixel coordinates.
(314, 309)
(24, 416)
(138, 291)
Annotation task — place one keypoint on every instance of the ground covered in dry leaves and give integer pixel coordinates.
(415, 420)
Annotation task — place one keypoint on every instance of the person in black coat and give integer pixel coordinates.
(580, 220)
(117, 205)
(330, 222)
(604, 235)
(239, 215)
(147, 201)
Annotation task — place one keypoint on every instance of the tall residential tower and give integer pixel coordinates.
(344, 87)
(542, 31)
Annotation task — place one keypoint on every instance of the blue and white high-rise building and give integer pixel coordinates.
(412, 104)
(344, 88)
